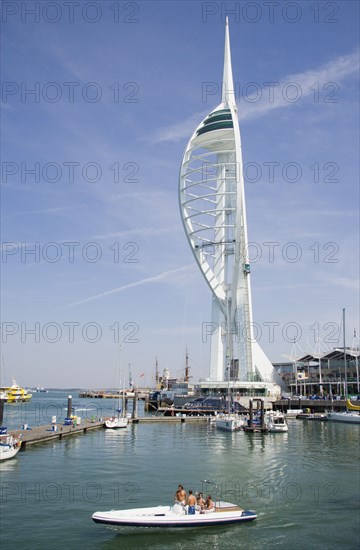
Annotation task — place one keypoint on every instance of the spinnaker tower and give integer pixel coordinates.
(213, 211)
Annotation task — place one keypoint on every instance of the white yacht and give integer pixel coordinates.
(229, 422)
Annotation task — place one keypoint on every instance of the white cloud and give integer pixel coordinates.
(345, 282)
(139, 232)
(165, 275)
(329, 74)
(303, 85)
(180, 130)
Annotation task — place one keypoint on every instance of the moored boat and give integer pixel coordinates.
(40, 389)
(351, 406)
(9, 446)
(276, 422)
(169, 517)
(229, 422)
(116, 422)
(351, 417)
(292, 413)
(120, 420)
(313, 416)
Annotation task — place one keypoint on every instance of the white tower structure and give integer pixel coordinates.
(212, 204)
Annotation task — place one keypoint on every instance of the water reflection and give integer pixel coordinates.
(215, 537)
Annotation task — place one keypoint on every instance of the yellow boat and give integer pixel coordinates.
(16, 393)
(351, 407)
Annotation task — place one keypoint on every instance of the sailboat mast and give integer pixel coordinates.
(156, 373)
(345, 368)
(187, 368)
(228, 349)
(119, 379)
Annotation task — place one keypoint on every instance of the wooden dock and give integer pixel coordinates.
(52, 432)
(41, 434)
(112, 394)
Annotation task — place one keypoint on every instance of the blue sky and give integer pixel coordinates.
(90, 164)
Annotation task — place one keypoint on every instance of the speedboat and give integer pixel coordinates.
(9, 446)
(313, 416)
(176, 516)
(229, 422)
(276, 422)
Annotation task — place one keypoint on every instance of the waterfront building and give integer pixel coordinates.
(322, 374)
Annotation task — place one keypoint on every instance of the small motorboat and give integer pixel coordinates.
(177, 516)
(9, 446)
(292, 413)
(276, 422)
(313, 416)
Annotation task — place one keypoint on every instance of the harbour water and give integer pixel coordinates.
(304, 485)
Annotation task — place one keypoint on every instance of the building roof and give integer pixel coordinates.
(336, 353)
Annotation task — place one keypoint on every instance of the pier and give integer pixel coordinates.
(51, 432)
(109, 394)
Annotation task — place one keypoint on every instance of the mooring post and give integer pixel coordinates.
(69, 406)
(2, 404)
(262, 413)
(134, 413)
(251, 413)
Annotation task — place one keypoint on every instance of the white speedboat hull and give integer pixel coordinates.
(173, 517)
(278, 429)
(276, 422)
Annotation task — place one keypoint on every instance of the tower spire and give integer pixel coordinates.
(228, 92)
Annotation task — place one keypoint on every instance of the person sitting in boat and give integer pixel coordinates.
(191, 502)
(200, 502)
(209, 505)
(180, 495)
